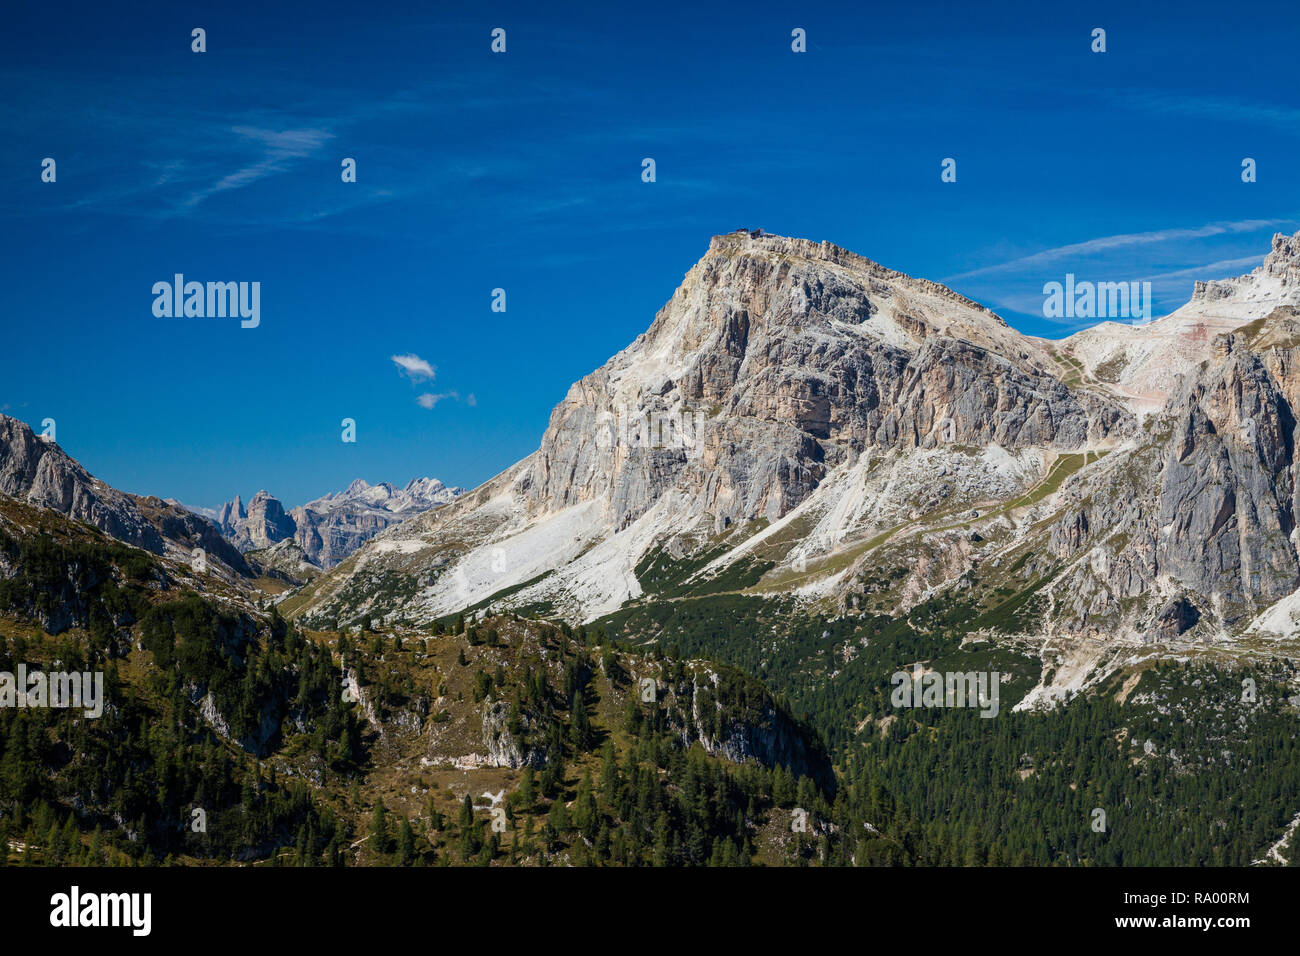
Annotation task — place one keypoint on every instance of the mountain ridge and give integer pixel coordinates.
(328, 528)
(801, 422)
(851, 415)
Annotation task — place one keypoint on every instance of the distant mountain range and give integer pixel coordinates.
(313, 537)
(331, 527)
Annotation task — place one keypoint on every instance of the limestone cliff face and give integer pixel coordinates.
(330, 537)
(40, 473)
(788, 356)
(776, 374)
(739, 722)
(230, 514)
(1203, 510)
(267, 523)
(330, 528)
(866, 439)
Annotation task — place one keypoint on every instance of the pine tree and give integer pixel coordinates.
(405, 843)
(580, 726)
(380, 835)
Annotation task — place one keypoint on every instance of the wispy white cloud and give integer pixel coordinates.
(280, 148)
(1213, 270)
(415, 368)
(1284, 118)
(1174, 286)
(1104, 244)
(428, 400)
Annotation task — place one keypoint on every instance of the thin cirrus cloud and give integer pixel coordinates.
(1285, 119)
(429, 400)
(224, 149)
(184, 186)
(1104, 244)
(1213, 269)
(280, 149)
(1174, 287)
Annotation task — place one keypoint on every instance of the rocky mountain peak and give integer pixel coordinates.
(1276, 280)
(267, 523)
(331, 527)
(787, 356)
(1285, 255)
(780, 370)
(424, 487)
(229, 513)
(757, 244)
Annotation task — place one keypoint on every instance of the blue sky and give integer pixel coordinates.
(522, 171)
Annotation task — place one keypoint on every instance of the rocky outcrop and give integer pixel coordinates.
(329, 529)
(1206, 506)
(786, 355)
(40, 473)
(354, 692)
(230, 514)
(284, 560)
(267, 522)
(1176, 617)
(502, 748)
(1280, 270)
(188, 531)
(733, 717)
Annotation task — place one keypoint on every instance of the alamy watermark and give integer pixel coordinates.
(1096, 300)
(659, 429)
(74, 909)
(922, 688)
(58, 690)
(212, 300)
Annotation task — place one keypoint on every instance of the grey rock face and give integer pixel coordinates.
(330, 528)
(327, 538)
(230, 514)
(743, 726)
(1281, 267)
(1207, 507)
(793, 354)
(807, 375)
(267, 522)
(40, 473)
(502, 748)
(1175, 618)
